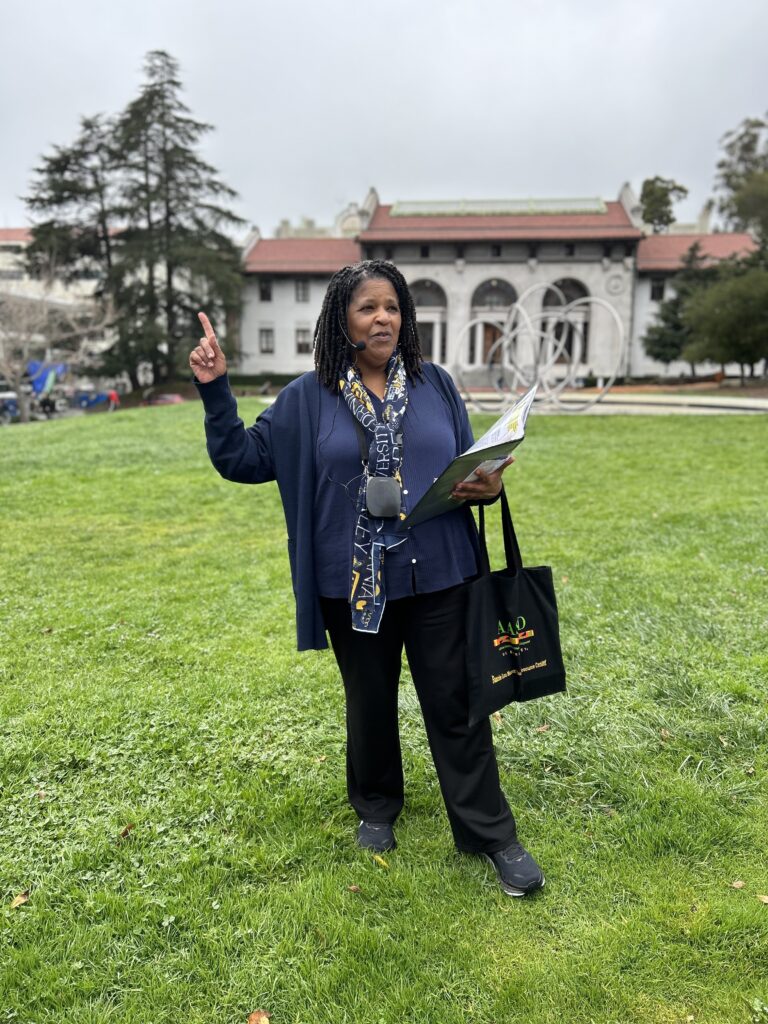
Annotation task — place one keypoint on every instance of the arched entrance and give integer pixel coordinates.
(573, 331)
(490, 301)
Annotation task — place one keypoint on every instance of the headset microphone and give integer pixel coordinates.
(358, 346)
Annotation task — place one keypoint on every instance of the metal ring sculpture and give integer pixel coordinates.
(552, 364)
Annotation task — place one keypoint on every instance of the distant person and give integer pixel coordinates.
(375, 590)
(113, 400)
(48, 404)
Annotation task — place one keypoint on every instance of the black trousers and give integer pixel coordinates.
(431, 628)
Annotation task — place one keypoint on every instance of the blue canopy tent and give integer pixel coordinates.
(43, 375)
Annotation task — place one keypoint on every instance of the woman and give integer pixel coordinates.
(357, 574)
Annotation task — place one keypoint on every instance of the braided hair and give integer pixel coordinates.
(333, 353)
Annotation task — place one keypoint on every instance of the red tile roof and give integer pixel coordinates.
(15, 235)
(301, 255)
(666, 252)
(613, 223)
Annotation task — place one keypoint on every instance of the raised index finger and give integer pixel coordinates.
(209, 332)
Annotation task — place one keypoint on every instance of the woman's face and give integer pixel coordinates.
(373, 316)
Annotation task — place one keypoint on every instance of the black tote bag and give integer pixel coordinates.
(513, 636)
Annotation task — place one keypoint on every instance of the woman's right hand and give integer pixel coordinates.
(207, 361)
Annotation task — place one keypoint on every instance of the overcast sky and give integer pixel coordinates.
(313, 101)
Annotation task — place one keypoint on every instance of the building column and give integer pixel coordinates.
(457, 316)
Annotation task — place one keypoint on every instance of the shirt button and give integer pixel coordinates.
(413, 561)
(404, 491)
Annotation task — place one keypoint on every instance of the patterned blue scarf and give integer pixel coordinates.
(367, 595)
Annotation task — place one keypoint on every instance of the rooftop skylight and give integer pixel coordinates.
(497, 207)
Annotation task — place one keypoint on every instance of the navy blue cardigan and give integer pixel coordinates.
(281, 446)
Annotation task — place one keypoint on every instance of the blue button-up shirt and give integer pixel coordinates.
(436, 554)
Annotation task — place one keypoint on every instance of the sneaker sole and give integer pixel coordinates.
(377, 849)
(512, 890)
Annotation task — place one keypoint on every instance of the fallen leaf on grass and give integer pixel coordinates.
(541, 728)
(258, 1017)
(665, 734)
(763, 899)
(497, 717)
(23, 897)
(319, 760)
(48, 629)
(738, 885)
(380, 860)
(127, 831)
(749, 771)
(354, 888)
(565, 579)
(723, 741)
(40, 794)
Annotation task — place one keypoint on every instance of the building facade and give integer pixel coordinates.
(659, 259)
(468, 262)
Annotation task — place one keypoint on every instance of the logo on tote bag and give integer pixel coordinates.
(513, 639)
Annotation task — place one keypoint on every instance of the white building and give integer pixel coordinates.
(469, 260)
(15, 280)
(285, 281)
(659, 258)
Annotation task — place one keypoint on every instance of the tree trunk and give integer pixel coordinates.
(693, 369)
(743, 380)
(24, 406)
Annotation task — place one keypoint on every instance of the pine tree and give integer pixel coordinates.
(175, 257)
(75, 188)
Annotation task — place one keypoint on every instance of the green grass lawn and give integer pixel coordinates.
(172, 783)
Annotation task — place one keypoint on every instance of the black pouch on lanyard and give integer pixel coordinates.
(382, 496)
(382, 493)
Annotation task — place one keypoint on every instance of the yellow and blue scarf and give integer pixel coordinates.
(367, 596)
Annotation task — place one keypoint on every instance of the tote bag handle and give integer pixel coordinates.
(511, 547)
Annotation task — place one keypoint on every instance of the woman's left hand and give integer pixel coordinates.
(484, 488)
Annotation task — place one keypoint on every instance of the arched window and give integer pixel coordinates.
(428, 293)
(576, 327)
(495, 295)
(431, 303)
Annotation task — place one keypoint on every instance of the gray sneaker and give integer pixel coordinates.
(377, 836)
(517, 871)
